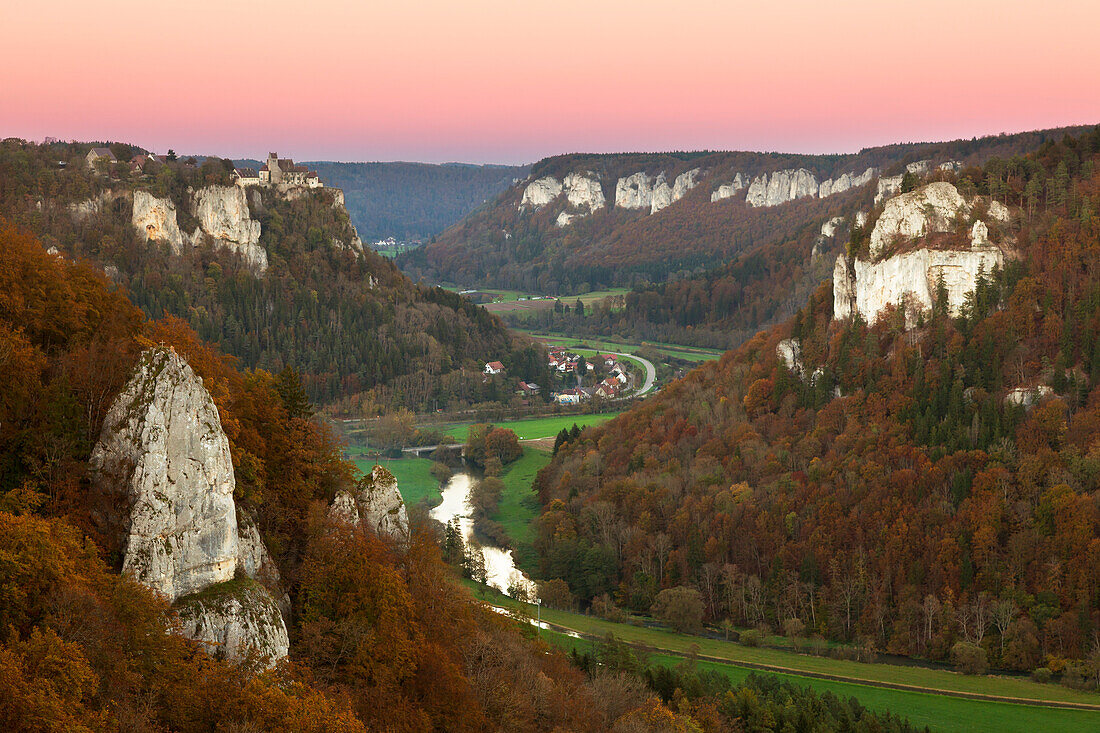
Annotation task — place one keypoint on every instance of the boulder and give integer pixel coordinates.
(540, 192)
(155, 218)
(223, 213)
(163, 445)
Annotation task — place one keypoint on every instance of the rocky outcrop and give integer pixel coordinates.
(829, 228)
(931, 208)
(844, 182)
(909, 281)
(634, 192)
(662, 194)
(583, 191)
(1028, 396)
(82, 210)
(163, 441)
(155, 218)
(377, 505)
(790, 353)
(780, 187)
(235, 620)
(162, 446)
(727, 190)
(887, 187)
(540, 192)
(223, 214)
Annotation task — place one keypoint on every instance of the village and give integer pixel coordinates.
(616, 381)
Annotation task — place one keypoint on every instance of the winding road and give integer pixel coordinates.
(650, 371)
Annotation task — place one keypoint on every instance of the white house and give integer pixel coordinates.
(494, 367)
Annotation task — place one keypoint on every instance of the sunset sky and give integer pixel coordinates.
(511, 81)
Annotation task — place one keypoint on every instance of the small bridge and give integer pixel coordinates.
(421, 451)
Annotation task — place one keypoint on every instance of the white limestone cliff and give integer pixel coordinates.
(155, 218)
(540, 192)
(162, 446)
(727, 190)
(662, 194)
(583, 191)
(634, 192)
(1028, 396)
(223, 214)
(910, 279)
(829, 228)
(163, 441)
(928, 209)
(888, 187)
(844, 182)
(780, 187)
(235, 620)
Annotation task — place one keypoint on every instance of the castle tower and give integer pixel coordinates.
(273, 168)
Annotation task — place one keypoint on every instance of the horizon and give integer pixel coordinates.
(505, 84)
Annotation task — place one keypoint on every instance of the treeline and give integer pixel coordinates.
(350, 324)
(889, 495)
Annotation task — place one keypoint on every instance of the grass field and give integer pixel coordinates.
(662, 638)
(518, 505)
(414, 478)
(532, 428)
(687, 353)
(938, 712)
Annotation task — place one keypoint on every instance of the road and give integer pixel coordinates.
(650, 371)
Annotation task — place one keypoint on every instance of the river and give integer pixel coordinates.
(500, 567)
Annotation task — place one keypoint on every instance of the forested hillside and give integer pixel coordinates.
(513, 245)
(414, 201)
(347, 320)
(891, 489)
(381, 636)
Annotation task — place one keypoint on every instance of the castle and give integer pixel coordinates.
(278, 173)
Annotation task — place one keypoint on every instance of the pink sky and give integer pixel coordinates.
(513, 81)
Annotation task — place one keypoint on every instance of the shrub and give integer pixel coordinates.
(680, 607)
(750, 637)
(969, 658)
(1041, 675)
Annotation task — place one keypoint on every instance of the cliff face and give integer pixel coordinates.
(541, 192)
(163, 446)
(634, 192)
(156, 219)
(223, 214)
(234, 620)
(909, 279)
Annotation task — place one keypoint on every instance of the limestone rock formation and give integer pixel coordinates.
(780, 187)
(156, 219)
(790, 352)
(665, 195)
(583, 191)
(727, 190)
(662, 194)
(829, 228)
(377, 505)
(909, 281)
(82, 210)
(887, 187)
(163, 447)
(162, 442)
(931, 208)
(223, 213)
(540, 192)
(1028, 396)
(634, 192)
(844, 182)
(235, 619)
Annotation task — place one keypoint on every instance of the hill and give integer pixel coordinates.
(586, 222)
(908, 463)
(414, 201)
(275, 277)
